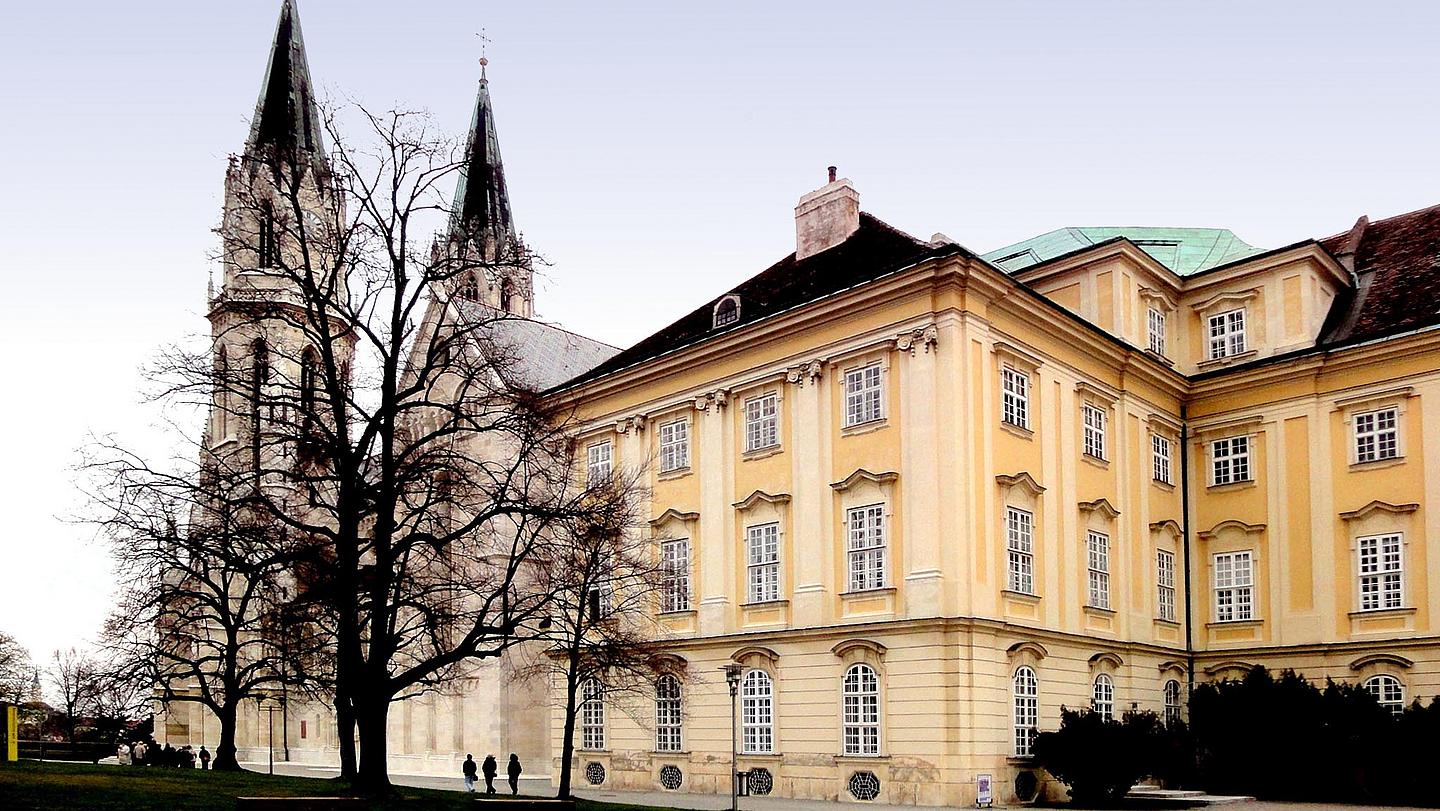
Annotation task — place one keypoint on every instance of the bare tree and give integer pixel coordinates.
(75, 679)
(376, 411)
(606, 581)
(205, 577)
(17, 672)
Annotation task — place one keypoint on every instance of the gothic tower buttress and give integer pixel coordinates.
(494, 267)
(281, 214)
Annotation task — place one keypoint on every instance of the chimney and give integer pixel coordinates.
(826, 217)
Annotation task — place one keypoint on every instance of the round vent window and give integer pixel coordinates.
(864, 786)
(670, 777)
(761, 782)
(594, 773)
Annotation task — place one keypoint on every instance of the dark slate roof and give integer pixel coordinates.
(482, 205)
(874, 250)
(545, 355)
(1397, 263)
(286, 118)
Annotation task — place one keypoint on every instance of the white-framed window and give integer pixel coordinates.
(1015, 397)
(1094, 419)
(1165, 583)
(592, 714)
(1227, 334)
(597, 601)
(1388, 691)
(727, 311)
(861, 696)
(1161, 454)
(762, 422)
(1097, 560)
(674, 445)
(1376, 436)
(1382, 572)
(757, 713)
(864, 395)
(1234, 586)
(762, 563)
(1102, 697)
(866, 546)
(1026, 695)
(1172, 702)
(1155, 323)
(667, 714)
(1230, 460)
(597, 463)
(675, 591)
(1020, 546)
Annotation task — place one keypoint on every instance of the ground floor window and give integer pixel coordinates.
(1102, 697)
(667, 714)
(592, 715)
(1172, 702)
(861, 690)
(757, 713)
(1027, 709)
(1388, 691)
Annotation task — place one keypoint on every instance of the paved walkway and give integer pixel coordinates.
(540, 786)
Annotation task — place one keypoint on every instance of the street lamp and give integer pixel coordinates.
(269, 706)
(732, 678)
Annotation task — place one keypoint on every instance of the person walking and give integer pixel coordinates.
(468, 769)
(138, 758)
(204, 758)
(489, 768)
(513, 769)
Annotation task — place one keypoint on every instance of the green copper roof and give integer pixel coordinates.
(1183, 250)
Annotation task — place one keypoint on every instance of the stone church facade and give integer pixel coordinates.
(925, 497)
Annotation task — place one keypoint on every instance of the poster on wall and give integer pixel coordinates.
(984, 791)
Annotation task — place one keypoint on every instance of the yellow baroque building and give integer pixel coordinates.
(926, 497)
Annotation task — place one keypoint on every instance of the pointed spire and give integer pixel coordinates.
(482, 205)
(286, 118)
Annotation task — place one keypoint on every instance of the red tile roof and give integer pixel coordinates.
(1398, 265)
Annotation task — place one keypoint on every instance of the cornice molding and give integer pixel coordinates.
(1100, 505)
(1023, 480)
(673, 514)
(761, 497)
(1230, 523)
(1381, 659)
(1379, 506)
(863, 475)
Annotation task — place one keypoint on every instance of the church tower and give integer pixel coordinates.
(494, 266)
(278, 197)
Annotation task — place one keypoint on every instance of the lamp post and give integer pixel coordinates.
(269, 706)
(732, 678)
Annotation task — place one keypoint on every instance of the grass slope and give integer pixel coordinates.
(33, 786)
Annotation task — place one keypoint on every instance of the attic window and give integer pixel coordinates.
(727, 311)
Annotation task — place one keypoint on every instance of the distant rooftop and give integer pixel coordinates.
(1183, 250)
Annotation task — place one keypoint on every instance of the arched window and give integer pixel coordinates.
(727, 311)
(757, 713)
(1027, 709)
(1388, 691)
(1102, 697)
(309, 375)
(861, 693)
(506, 294)
(469, 287)
(1172, 702)
(592, 714)
(667, 714)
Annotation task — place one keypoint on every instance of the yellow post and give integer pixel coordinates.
(12, 733)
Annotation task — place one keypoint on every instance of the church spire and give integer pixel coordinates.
(482, 206)
(286, 118)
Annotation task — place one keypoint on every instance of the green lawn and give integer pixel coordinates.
(32, 786)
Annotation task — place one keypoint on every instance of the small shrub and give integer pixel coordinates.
(1099, 760)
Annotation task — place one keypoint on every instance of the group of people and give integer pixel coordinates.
(489, 768)
(150, 753)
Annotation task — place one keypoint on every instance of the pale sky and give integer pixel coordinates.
(654, 153)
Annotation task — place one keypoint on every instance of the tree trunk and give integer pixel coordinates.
(225, 753)
(345, 724)
(567, 743)
(373, 776)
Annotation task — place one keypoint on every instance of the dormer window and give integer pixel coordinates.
(727, 311)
